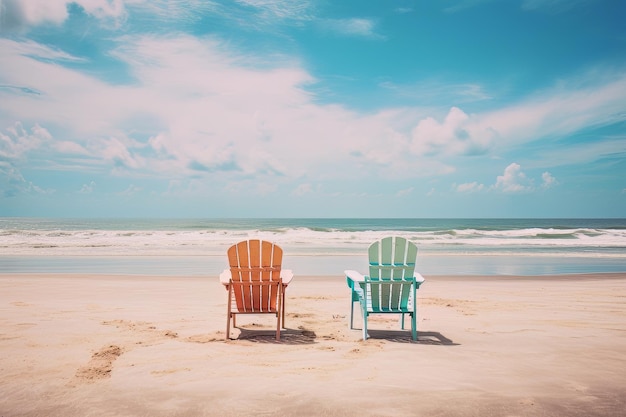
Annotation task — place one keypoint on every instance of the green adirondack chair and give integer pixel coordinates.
(392, 283)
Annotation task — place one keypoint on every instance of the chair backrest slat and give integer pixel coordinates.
(388, 295)
(255, 267)
(392, 258)
(391, 273)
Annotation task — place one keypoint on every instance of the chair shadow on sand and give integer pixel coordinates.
(308, 337)
(400, 336)
(287, 336)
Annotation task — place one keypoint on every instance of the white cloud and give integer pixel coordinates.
(11, 180)
(19, 141)
(131, 190)
(27, 50)
(405, 192)
(592, 100)
(198, 107)
(264, 188)
(548, 180)
(453, 136)
(178, 187)
(13, 183)
(358, 27)
(87, 188)
(554, 6)
(102, 8)
(303, 189)
(119, 154)
(513, 180)
(436, 92)
(280, 9)
(470, 187)
(15, 146)
(67, 147)
(33, 12)
(558, 112)
(261, 15)
(17, 14)
(32, 188)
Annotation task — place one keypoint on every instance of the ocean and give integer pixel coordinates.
(192, 247)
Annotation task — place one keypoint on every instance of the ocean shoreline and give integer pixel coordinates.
(313, 246)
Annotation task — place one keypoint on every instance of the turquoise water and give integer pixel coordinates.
(312, 246)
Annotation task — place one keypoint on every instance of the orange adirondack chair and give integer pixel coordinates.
(255, 281)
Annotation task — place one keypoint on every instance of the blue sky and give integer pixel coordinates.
(313, 108)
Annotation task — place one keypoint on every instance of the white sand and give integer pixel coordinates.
(154, 346)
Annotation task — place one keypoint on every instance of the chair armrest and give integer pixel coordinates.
(353, 276)
(419, 279)
(225, 278)
(355, 281)
(286, 275)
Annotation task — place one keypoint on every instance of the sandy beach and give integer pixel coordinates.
(113, 345)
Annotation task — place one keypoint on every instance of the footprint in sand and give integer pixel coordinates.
(100, 365)
(329, 348)
(299, 315)
(169, 371)
(20, 304)
(206, 338)
(308, 333)
(149, 334)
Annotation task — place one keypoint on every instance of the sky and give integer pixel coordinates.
(313, 108)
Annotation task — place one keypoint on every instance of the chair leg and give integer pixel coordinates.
(228, 313)
(364, 325)
(414, 314)
(283, 307)
(280, 313)
(402, 321)
(351, 315)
